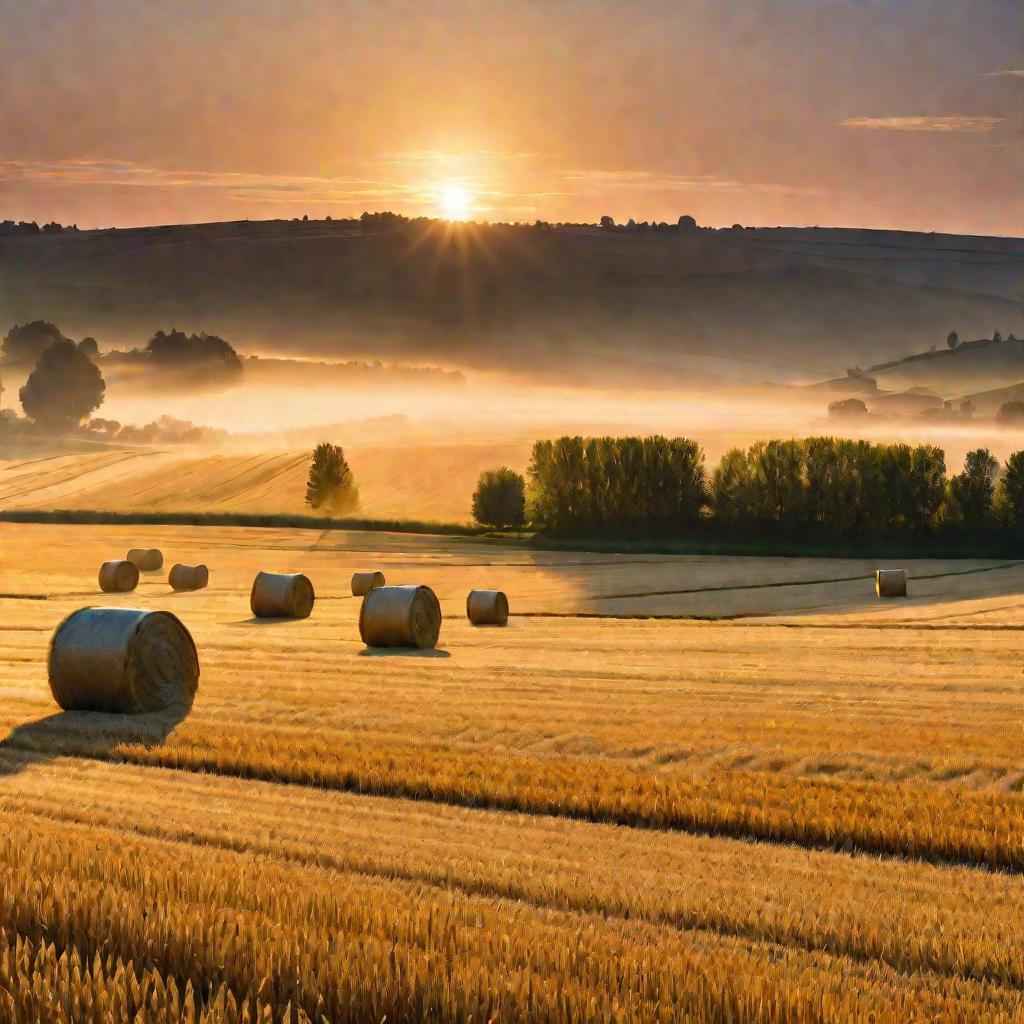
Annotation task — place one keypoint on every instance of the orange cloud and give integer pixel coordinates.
(968, 125)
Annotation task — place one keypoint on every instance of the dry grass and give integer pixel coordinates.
(239, 864)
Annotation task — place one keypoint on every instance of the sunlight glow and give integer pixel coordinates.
(454, 203)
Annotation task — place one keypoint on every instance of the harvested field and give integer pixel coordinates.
(789, 816)
(428, 481)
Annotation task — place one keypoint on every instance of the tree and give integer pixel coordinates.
(1011, 414)
(847, 409)
(63, 389)
(1011, 492)
(500, 499)
(686, 223)
(199, 354)
(27, 342)
(331, 485)
(971, 492)
(953, 339)
(607, 224)
(730, 491)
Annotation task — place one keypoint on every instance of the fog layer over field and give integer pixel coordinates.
(488, 408)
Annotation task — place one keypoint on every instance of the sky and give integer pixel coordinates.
(875, 113)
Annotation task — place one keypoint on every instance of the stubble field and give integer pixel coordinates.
(804, 805)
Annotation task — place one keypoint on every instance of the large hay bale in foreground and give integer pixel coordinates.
(891, 582)
(364, 582)
(188, 577)
(147, 559)
(278, 595)
(122, 660)
(487, 608)
(400, 617)
(118, 576)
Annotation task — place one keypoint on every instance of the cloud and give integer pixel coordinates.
(968, 125)
(598, 182)
(95, 171)
(1009, 73)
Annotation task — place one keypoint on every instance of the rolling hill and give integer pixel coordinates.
(574, 304)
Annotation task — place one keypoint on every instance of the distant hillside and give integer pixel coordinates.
(576, 304)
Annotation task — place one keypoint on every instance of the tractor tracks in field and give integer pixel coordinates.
(778, 584)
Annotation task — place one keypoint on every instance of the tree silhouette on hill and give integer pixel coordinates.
(63, 389)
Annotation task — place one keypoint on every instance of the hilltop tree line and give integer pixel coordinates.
(647, 486)
(10, 228)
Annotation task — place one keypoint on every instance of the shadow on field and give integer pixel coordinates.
(402, 652)
(90, 734)
(265, 620)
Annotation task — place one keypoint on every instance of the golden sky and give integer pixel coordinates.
(879, 113)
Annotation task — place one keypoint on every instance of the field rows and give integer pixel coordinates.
(223, 930)
(952, 921)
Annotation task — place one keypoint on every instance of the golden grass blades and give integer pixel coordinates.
(912, 916)
(347, 948)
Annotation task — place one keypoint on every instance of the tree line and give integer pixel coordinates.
(578, 486)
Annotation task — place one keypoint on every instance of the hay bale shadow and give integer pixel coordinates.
(265, 620)
(402, 652)
(89, 734)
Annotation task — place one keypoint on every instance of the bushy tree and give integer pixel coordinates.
(778, 491)
(616, 485)
(63, 388)
(25, 343)
(729, 494)
(970, 494)
(500, 499)
(331, 485)
(198, 354)
(1011, 414)
(1011, 493)
(847, 409)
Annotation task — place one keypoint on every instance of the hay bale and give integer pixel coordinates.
(487, 608)
(122, 660)
(278, 595)
(147, 559)
(364, 582)
(400, 617)
(188, 577)
(118, 576)
(891, 582)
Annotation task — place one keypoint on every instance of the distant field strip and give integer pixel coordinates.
(427, 481)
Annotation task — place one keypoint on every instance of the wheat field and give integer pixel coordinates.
(804, 806)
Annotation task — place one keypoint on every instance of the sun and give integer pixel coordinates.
(454, 202)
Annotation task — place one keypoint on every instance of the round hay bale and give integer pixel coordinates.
(278, 595)
(122, 660)
(364, 582)
(891, 582)
(487, 608)
(400, 617)
(118, 576)
(188, 577)
(147, 559)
